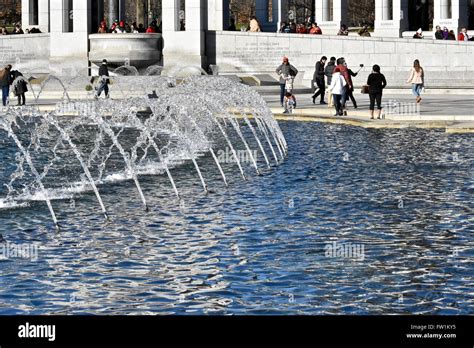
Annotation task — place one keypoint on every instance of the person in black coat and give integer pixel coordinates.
(103, 80)
(20, 87)
(376, 83)
(318, 79)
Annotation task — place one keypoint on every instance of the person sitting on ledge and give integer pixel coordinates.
(343, 31)
(114, 26)
(445, 33)
(301, 29)
(5, 31)
(150, 29)
(451, 35)
(102, 28)
(463, 35)
(232, 26)
(141, 28)
(364, 31)
(285, 28)
(308, 23)
(438, 33)
(254, 25)
(18, 30)
(292, 27)
(315, 29)
(120, 29)
(418, 34)
(134, 28)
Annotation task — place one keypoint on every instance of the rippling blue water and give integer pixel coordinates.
(260, 247)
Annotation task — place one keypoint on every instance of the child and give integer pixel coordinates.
(290, 103)
(290, 81)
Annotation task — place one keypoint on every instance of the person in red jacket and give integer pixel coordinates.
(463, 36)
(348, 74)
(150, 30)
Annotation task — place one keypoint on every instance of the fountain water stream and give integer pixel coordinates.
(182, 120)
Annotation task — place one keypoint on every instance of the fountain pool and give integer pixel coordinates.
(216, 243)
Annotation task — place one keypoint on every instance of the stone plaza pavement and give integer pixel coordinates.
(449, 110)
(453, 112)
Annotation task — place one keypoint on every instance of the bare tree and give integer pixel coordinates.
(361, 12)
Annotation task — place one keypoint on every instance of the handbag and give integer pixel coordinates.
(365, 89)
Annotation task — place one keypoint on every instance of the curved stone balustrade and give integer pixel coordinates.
(141, 50)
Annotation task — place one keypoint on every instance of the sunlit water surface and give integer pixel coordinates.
(259, 247)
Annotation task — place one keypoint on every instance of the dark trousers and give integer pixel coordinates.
(349, 95)
(5, 93)
(338, 103)
(321, 89)
(282, 92)
(21, 97)
(104, 87)
(375, 97)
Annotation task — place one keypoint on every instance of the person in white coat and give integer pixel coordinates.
(337, 88)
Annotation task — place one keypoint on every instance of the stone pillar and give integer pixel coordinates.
(218, 14)
(398, 23)
(280, 13)
(25, 13)
(66, 58)
(142, 16)
(184, 48)
(387, 14)
(339, 15)
(122, 15)
(326, 11)
(43, 15)
(113, 13)
(445, 9)
(459, 14)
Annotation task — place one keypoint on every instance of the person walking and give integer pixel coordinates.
(5, 81)
(337, 87)
(104, 80)
(285, 71)
(319, 82)
(328, 71)
(20, 87)
(376, 82)
(417, 80)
